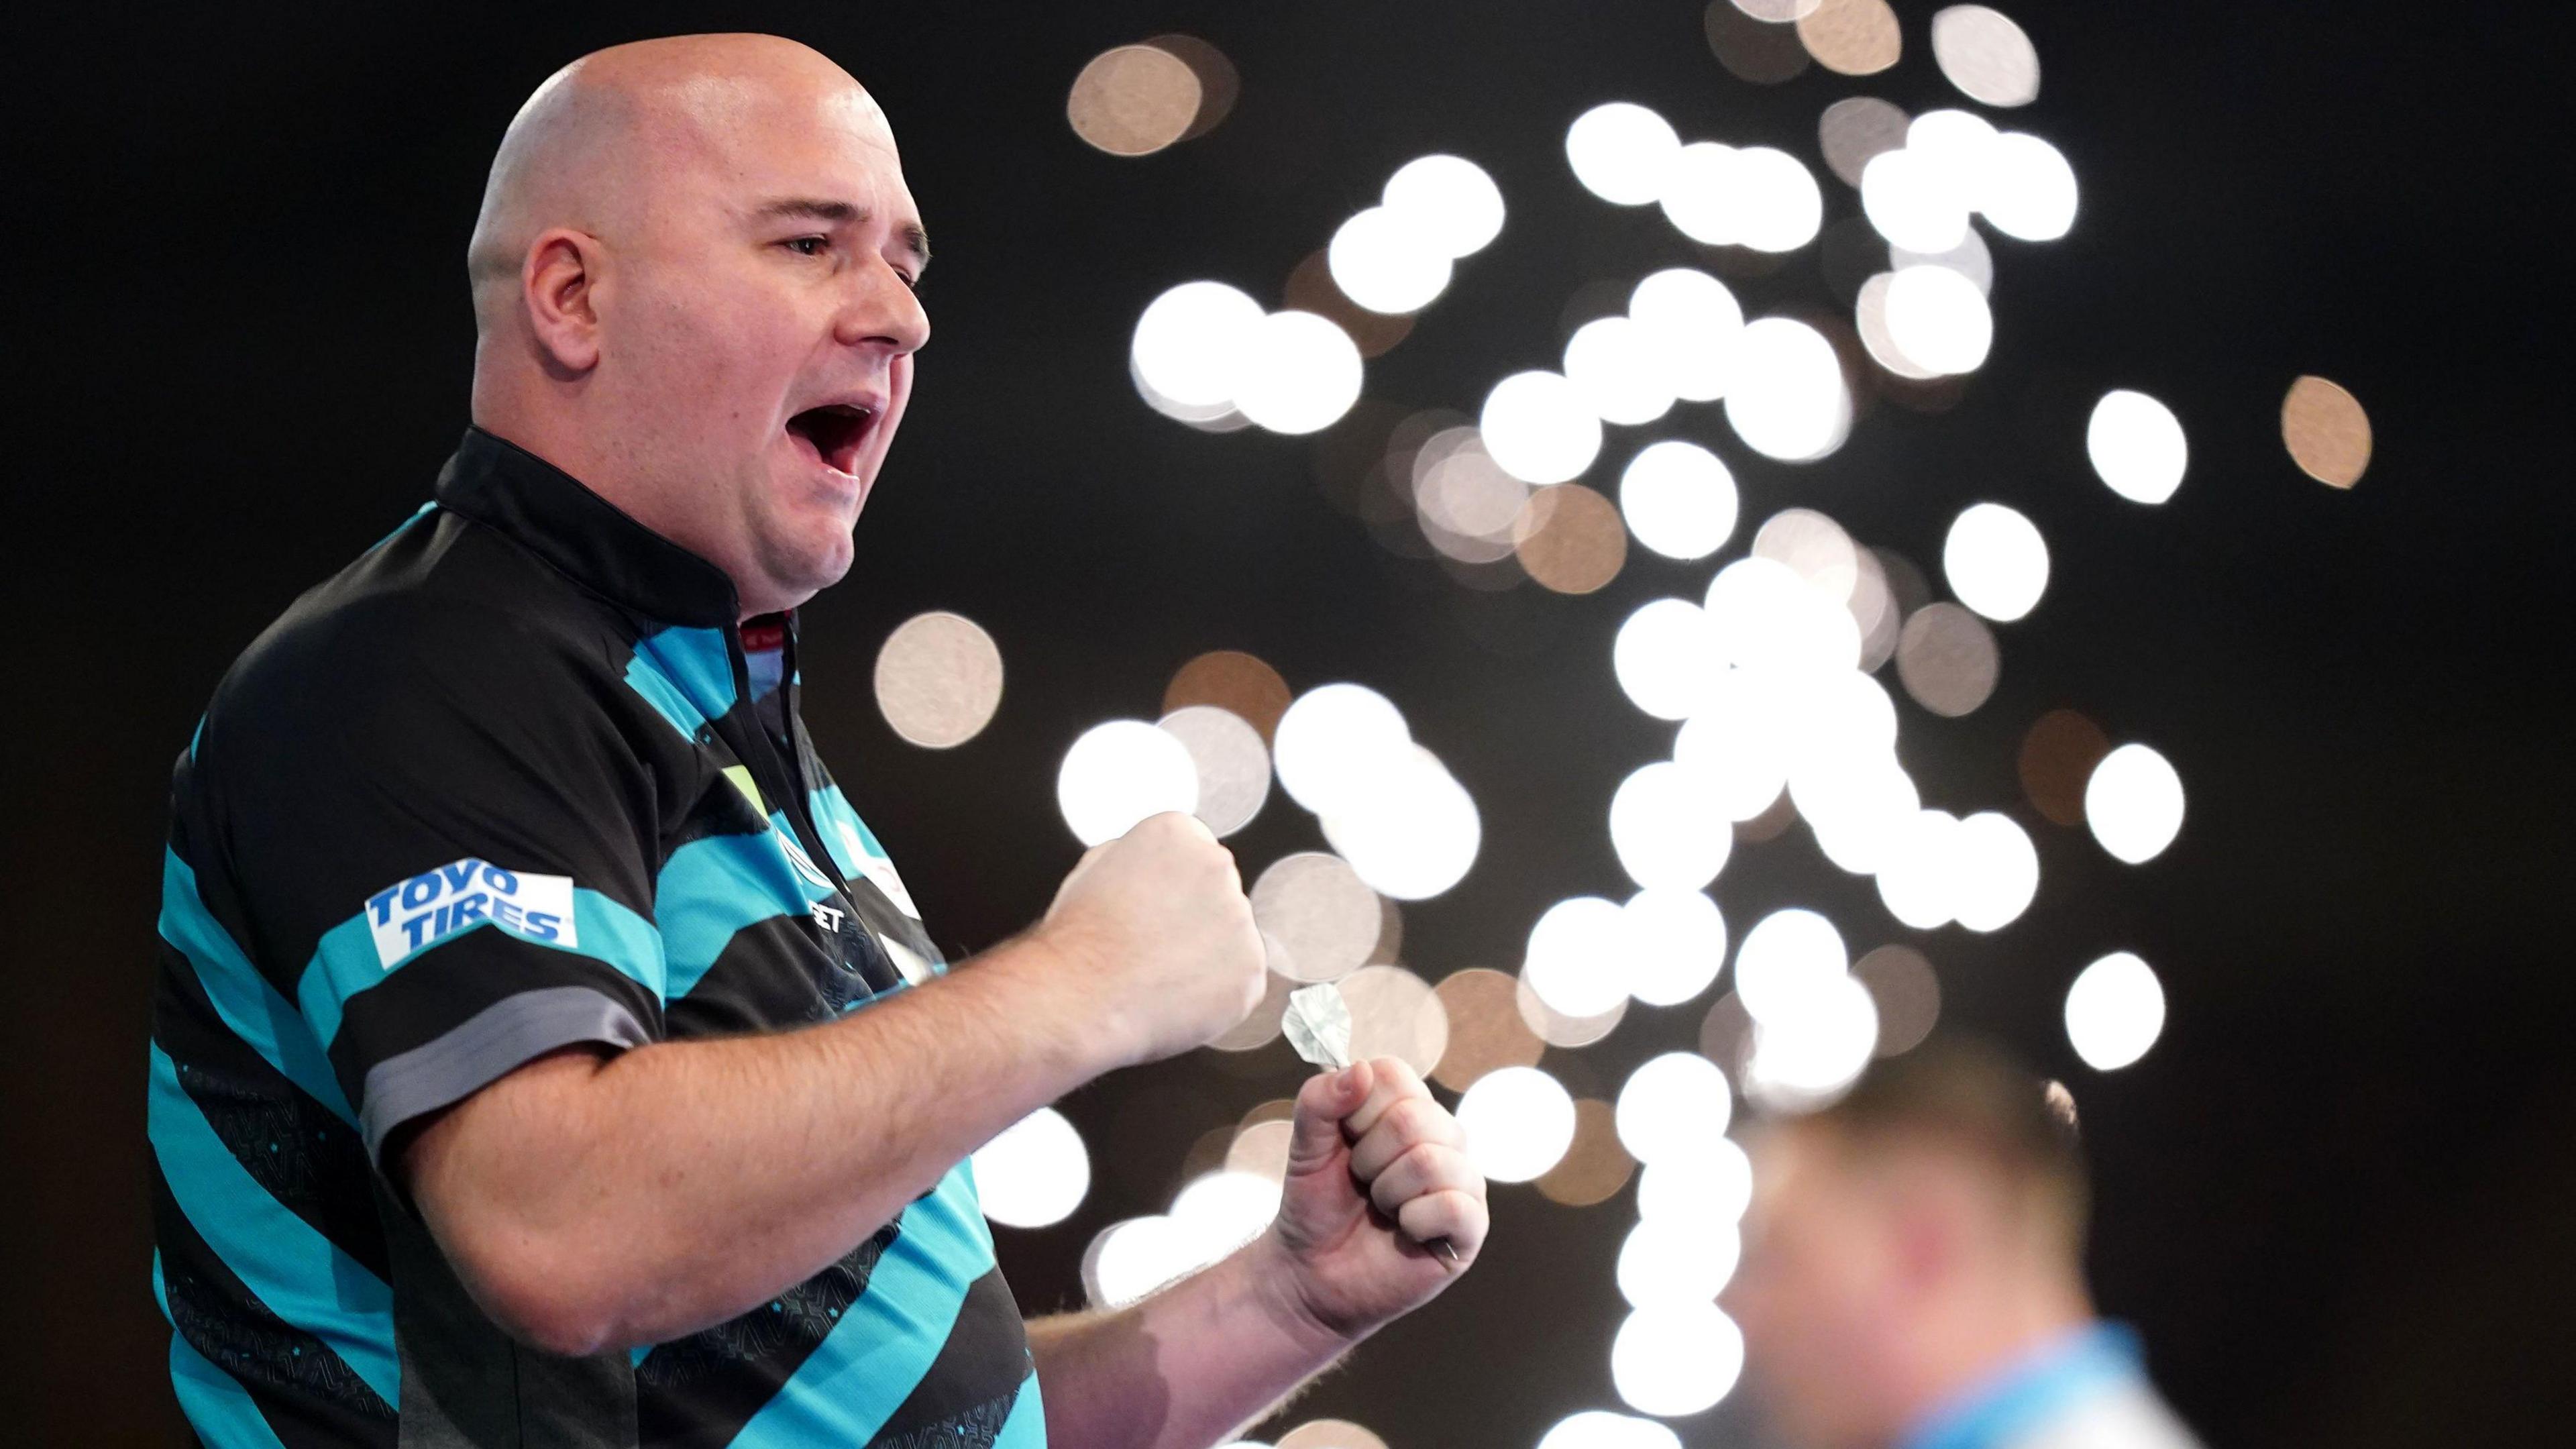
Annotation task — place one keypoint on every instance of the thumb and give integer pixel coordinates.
(1315, 1128)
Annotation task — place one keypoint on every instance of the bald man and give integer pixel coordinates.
(1913, 1272)
(544, 1051)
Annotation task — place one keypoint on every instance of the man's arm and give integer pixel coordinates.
(1375, 1169)
(591, 1204)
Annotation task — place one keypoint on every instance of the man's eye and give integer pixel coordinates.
(808, 246)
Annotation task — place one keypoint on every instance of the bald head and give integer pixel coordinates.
(692, 275)
(592, 144)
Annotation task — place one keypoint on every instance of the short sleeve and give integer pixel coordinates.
(444, 846)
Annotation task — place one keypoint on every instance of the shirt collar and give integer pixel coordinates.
(497, 483)
(2029, 1390)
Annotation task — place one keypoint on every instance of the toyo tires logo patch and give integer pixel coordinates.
(411, 914)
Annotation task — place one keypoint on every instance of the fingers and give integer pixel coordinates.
(1395, 1082)
(1425, 1171)
(1408, 1124)
(1457, 1216)
(1315, 1131)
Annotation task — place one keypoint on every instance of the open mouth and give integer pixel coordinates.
(835, 432)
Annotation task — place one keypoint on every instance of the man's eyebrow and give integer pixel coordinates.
(842, 213)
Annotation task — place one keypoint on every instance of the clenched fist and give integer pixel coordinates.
(1157, 924)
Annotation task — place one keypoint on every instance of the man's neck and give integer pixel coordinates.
(1983, 1332)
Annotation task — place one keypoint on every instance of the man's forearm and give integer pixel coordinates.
(674, 1186)
(1187, 1367)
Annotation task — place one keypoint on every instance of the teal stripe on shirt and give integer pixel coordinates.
(875, 1356)
(242, 997)
(1026, 1428)
(345, 962)
(298, 1273)
(685, 674)
(711, 888)
(218, 1407)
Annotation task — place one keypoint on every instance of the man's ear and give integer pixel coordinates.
(560, 285)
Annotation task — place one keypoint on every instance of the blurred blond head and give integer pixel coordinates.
(1906, 1240)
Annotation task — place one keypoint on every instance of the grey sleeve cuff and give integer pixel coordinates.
(484, 1048)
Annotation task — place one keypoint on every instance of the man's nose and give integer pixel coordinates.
(883, 312)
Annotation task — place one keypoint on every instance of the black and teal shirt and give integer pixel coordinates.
(513, 781)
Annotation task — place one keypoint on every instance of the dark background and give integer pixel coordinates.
(2332, 1194)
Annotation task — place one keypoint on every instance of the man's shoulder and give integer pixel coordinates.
(443, 618)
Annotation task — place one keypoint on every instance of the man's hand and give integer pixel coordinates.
(1157, 925)
(1376, 1169)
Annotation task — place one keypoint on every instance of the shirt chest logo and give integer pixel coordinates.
(408, 915)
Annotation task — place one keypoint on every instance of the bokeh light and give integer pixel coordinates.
(1243, 685)
(1808, 1056)
(1413, 833)
(1669, 829)
(1395, 1013)
(1908, 197)
(1614, 365)
(1233, 764)
(1190, 347)
(2030, 190)
(1595, 1166)
(1134, 100)
(1559, 1029)
(1666, 1261)
(1996, 561)
(1322, 917)
(1947, 660)
(1902, 985)
(1869, 319)
(1676, 942)
(1336, 742)
(1602, 1429)
(1486, 1030)
(1918, 875)
(1673, 1105)
(2056, 763)
(1034, 1173)
(1787, 961)
(1330, 1434)
(1753, 50)
(1970, 258)
(1449, 201)
(1129, 1260)
(1985, 55)
(1679, 499)
(2326, 431)
(1119, 773)
(2137, 446)
(1299, 373)
(1665, 658)
(1676, 1359)
(1852, 37)
(1620, 152)
(1518, 1122)
(1787, 399)
(1577, 961)
(2115, 1010)
(1569, 539)
(1996, 873)
(1938, 319)
(1855, 129)
(1539, 428)
(1700, 1190)
(1385, 262)
(938, 679)
(2134, 803)
(1693, 326)
(1756, 197)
